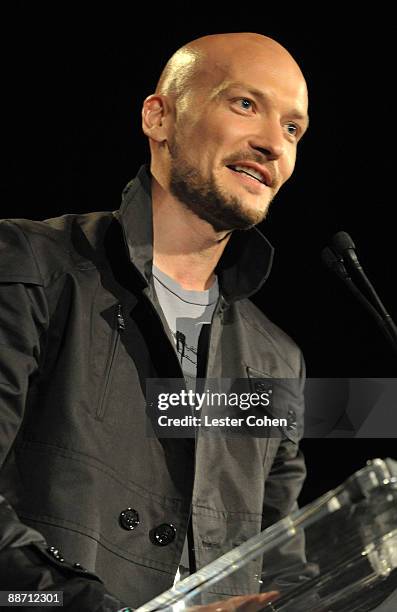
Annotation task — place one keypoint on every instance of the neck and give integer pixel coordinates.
(185, 247)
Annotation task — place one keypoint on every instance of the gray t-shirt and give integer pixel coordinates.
(186, 312)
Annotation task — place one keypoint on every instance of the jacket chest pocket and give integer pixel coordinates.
(111, 353)
(286, 403)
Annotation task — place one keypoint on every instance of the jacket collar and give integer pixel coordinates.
(243, 268)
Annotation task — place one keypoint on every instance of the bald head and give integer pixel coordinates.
(215, 58)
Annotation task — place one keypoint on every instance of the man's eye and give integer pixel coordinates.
(245, 103)
(292, 129)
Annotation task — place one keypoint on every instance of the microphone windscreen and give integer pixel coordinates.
(328, 257)
(341, 242)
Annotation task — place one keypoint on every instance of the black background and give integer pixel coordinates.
(73, 81)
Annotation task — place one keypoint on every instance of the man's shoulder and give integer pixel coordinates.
(33, 251)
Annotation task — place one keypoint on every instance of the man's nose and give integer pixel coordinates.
(270, 141)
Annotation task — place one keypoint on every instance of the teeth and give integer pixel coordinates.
(250, 172)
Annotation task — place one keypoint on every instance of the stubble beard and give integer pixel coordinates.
(206, 199)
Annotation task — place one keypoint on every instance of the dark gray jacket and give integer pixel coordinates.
(80, 332)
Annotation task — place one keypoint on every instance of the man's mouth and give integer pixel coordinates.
(261, 177)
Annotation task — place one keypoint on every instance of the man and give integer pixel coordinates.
(94, 305)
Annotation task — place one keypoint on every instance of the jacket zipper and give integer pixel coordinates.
(217, 312)
(114, 345)
(190, 533)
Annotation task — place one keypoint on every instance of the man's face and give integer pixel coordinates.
(234, 142)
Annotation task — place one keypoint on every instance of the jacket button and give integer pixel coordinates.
(129, 519)
(260, 387)
(54, 552)
(162, 535)
(79, 567)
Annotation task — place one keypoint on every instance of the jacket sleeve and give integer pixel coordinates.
(25, 560)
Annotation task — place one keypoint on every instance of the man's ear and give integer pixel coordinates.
(156, 112)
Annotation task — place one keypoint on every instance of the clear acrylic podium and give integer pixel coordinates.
(337, 554)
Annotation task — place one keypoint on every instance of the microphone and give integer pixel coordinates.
(345, 247)
(334, 263)
(343, 252)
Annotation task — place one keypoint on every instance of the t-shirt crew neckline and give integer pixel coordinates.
(201, 298)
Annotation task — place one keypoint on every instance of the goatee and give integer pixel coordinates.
(207, 200)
